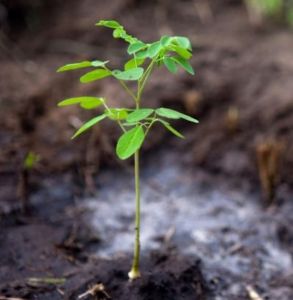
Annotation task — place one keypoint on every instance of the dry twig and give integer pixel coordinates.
(96, 289)
(47, 281)
(269, 159)
(252, 293)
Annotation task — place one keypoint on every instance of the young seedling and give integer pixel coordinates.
(29, 163)
(172, 52)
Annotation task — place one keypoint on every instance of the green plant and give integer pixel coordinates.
(173, 52)
(279, 10)
(31, 160)
(29, 163)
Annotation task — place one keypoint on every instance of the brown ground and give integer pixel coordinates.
(242, 94)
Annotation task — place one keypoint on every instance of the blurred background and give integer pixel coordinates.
(242, 94)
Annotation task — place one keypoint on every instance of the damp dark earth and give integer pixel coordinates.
(216, 207)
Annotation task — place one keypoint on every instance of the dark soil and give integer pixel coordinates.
(242, 94)
(166, 277)
(60, 246)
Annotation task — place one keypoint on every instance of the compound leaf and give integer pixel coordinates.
(166, 40)
(85, 102)
(75, 66)
(188, 118)
(170, 64)
(116, 113)
(99, 63)
(173, 114)
(135, 47)
(183, 42)
(88, 125)
(133, 63)
(172, 129)
(142, 54)
(130, 142)
(91, 102)
(182, 52)
(81, 65)
(168, 113)
(154, 49)
(139, 114)
(131, 74)
(94, 75)
(70, 101)
(109, 23)
(118, 31)
(184, 64)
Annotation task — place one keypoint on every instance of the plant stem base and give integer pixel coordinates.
(133, 274)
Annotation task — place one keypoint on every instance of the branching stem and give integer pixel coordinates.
(143, 81)
(121, 126)
(125, 86)
(127, 89)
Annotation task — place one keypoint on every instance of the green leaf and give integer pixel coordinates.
(173, 114)
(99, 63)
(131, 74)
(184, 64)
(95, 75)
(85, 102)
(135, 47)
(165, 40)
(81, 65)
(172, 129)
(119, 33)
(92, 102)
(182, 52)
(88, 125)
(30, 160)
(170, 64)
(130, 142)
(168, 113)
(109, 23)
(139, 114)
(142, 54)
(183, 42)
(133, 63)
(154, 49)
(75, 66)
(70, 101)
(116, 113)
